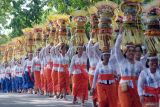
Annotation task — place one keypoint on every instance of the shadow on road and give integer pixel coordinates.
(27, 100)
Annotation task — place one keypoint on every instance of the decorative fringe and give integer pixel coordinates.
(80, 38)
(104, 40)
(79, 13)
(63, 39)
(94, 36)
(106, 3)
(38, 44)
(133, 35)
(92, 10)
(153, 44)
(51, 38)
(56, 40)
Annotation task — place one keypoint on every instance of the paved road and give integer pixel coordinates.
(28, 100)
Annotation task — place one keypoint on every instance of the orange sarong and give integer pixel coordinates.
(54, 76)
(45, 79)
(80, 86)
(151, 90)
(133, 78)
(91, 76)
(106, 95)
(55, 81)
(80, 83)
(151, 101)
(37, 78)
(49, 80)
(117, 84)
(128, 98)
(94, 97)
(42, 82)
(64, 80)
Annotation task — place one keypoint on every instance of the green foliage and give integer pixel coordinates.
(25, 17)
(4, 39)
(5, 7)
(35, 14)
(68, 6)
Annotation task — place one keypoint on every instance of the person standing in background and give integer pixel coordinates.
(94, 58)
(28, 79)
(36, 69)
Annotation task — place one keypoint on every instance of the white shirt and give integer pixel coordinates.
(28, 63)
(48, 57)
(55, 61)
(103, 69)
(78, 61)
(63, 60)
(58, 58)
(147, 78)
(48, 61)
(35, 61)
(144, 60)
(3, 72)
(20, 71)
(7, 72)
(12, 71)
(42, 66)
(113, 62)
(16, 70)
(126, 68)
(42, 58)
(93, 56)
(0, 75)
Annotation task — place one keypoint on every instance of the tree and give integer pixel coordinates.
(34, 13)
(5, 7)
(25, 16)
(4, 39)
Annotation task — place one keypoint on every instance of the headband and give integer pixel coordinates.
(106, 53)
(130, 46)
(153, 57)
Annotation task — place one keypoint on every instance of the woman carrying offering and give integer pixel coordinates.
(129, 70)
(78, 71)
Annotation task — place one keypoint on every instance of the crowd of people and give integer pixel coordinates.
(117, 78)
